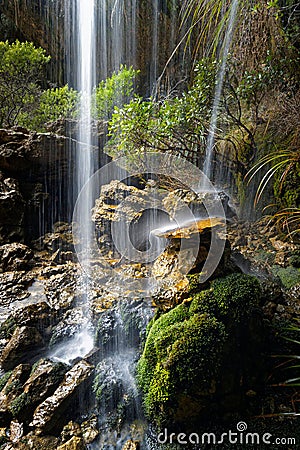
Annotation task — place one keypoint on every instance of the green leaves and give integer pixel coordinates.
(21, 67)
(178, 124)
(113, 92)
(54, 104)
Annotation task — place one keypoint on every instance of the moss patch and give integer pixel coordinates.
(7, 328)
(4, 379)
(184, 349)
(19, 404)
(230, 298)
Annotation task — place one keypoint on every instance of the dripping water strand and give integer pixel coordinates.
(207, 166)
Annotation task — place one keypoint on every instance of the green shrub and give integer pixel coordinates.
(115, 91)
(21, 68)
(54, 104)
(166, 124)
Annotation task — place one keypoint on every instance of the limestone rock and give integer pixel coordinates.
(13, 287)
(38, 315)
(131, 445)
(24, 342)
(16, 431)
(89, 430)
(75, 443)
(44, 379)
(14, 257)
(31, 442)
(70, 430)
(51, 414)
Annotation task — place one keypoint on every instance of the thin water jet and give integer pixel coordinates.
(207, 165)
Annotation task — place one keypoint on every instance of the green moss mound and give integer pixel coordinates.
(184, 350)
(230, 298)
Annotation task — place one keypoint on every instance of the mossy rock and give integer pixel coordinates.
(188, 347)
(19, 404)
(229, 299)
(4, 379)
(7, 328)
(182, 353)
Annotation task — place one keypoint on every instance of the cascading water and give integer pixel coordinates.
(83, 19)
(207, 165)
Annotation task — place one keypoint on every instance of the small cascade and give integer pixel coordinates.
(119, 335)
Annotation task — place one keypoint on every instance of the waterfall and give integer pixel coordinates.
(85, 81)
(207, 166)
(82, 44)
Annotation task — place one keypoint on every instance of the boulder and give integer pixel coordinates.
(16, 431)
(89, 430)
(70, 430)
(13, 287)
(45, 377)
(53, 413)
(119, 202)
(14, 257)
(24, 342)
(37, 315)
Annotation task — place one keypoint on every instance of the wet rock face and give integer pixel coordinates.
(12, 207)
(45, 377)
(24, 342)
(31, 167)
(14, 257)
(52, 414)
